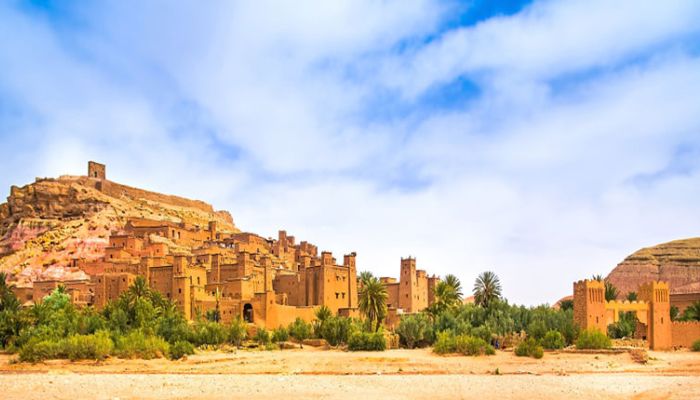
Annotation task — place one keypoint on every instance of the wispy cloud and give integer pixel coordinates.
(541, 140)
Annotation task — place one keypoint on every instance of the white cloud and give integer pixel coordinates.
(262, 109)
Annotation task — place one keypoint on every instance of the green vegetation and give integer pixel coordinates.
(139, 324)
(592, 339)
(529, 348)
(611, 291)
(487, 288)
(300, 330)
(696, 345)
(691, 313)
(372, 299)
(262, 336)
(566, 305)
(280, 334)
(553, 340)
(447, 343)
(180, 349)
(415, 330)
(237, 332)
(367, 341)
(624, 327)
(137, 344)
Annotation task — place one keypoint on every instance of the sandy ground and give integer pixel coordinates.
(312, 373)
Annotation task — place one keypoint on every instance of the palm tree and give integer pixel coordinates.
(373, 297)
(323, 313)
(8, 300)
(139, 289)
(447, 295)
(454, 282)
(365, 276)
(487, 288)
(632, 296)
(611, 291)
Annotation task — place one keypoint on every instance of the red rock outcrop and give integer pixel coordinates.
(47, 223)
(677, 262)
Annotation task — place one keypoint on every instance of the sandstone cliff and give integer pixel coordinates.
(677, 262)
(46, 224)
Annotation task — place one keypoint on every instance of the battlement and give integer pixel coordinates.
(593, 282)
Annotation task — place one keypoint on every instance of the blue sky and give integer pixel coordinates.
(540, 140)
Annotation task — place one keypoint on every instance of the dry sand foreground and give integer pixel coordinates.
(312, 373)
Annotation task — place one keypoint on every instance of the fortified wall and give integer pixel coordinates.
(653, 311)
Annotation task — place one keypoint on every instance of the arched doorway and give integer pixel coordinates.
(248, 313)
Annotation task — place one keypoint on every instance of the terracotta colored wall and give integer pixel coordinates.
(589, 305)
(683, 334)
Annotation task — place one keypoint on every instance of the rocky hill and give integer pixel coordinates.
(46, 224)
(677, 262)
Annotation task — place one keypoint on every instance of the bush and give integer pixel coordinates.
(180, 349)
(529, 348)
(237, 332)
(300, 330)
(76, 347)
(88, 347)
(592, 339)
(472, 346)
(136, 344)
(696, 345)
(624, 327)
(208, 333)
(335, 330)
(553, 340)
(415, 330)
(262, 336)
(37, 350)
(444, 343)
(369, 341)
(280, 334)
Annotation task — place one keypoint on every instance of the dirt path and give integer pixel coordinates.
(153, 386)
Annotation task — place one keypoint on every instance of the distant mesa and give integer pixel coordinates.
(676, 262)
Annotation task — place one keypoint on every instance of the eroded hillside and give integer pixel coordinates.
(46, 224)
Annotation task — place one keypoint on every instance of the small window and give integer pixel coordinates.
(179, 290)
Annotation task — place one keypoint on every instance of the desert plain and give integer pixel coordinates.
(336, 374)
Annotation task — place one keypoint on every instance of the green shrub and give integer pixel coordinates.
(208, 333)
(472, 346)
(696, 345)
(624, 327)
(280, 334)
(180, 349)
(88, 347)
(335, 330)
(553, 340)
(75, 347)
(529, 348)
(237, 332)
(368, 341)
(415, 330)
(136, 344)
(444, 343)
(300, 330)
(37, 350)
(262, 336)
(592, 339)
